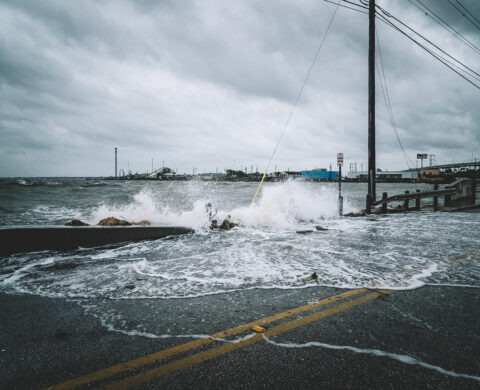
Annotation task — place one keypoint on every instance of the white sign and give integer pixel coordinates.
(340, 159)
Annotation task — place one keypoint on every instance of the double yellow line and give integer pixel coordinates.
(200, 357)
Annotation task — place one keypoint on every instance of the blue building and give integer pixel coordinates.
(320, 175)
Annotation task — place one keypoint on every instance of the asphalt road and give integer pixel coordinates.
(423, 338)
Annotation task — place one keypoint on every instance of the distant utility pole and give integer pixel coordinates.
(371, 106)
(115, 162)
(152, 164)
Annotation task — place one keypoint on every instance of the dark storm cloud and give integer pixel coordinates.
(204, 83)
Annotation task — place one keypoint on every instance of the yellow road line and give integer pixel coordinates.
(113, 370)
(225, 348)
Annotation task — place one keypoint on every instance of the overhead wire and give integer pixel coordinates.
(441, 22)
(443, 60)
(468, 70)
(386, 97)
(466, 10)
(287, 122)
(464, 15)
(346, 6)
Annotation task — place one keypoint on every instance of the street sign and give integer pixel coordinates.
(422, 156)
(340, 159)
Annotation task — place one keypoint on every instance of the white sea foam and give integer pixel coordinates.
(264, 252)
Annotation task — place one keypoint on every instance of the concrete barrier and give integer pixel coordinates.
(17, 239)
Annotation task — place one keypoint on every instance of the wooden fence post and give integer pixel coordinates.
(405, 203)
(384, 204)
(435, 198)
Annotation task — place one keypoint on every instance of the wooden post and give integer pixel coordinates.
(417, 202)
(384, 204)
(435, 198)
(405, 203)
(448, 199)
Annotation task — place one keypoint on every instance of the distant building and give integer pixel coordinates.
(320, 175)
(385, 175)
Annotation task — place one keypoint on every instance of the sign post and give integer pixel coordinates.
(340, 197)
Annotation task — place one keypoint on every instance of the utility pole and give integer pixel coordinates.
(115, 162)
(340, 197)
(371, 106)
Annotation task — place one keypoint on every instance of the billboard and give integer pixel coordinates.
(422, 156)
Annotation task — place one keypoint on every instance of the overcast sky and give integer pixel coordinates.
(210, 84)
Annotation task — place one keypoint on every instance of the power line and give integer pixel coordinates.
(460, 71)
(464, 15)
(473, 74)
(441, 22)
(432, 53)
(346, 6)
(473, 16)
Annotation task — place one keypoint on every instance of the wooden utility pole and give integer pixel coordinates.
(371, 106)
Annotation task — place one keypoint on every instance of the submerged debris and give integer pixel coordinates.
(311, 277)
(320, 228)
(258, 329)
(76, 222)
(130, 286)
(227, 224)
(304, 231)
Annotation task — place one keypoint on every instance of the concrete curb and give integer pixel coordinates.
(17, 239)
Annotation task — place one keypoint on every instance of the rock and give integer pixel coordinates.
(304, 231)
(361, 213)
(227, 224)
(130, 286)
(320, 228)
(76, 222)
(213, 224)
(112, 221)
(312, 277)
(143, 222)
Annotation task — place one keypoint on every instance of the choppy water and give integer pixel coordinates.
(400, 251)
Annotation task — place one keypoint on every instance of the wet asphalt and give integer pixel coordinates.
(45, 341)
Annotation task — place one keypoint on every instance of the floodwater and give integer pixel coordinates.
(401, 251)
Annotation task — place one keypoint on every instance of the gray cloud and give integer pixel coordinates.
(204, 83)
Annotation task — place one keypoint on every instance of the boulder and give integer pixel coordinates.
(143, 222)
(227, 224)
(311, 277)
(76, 222)
(112, 221)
